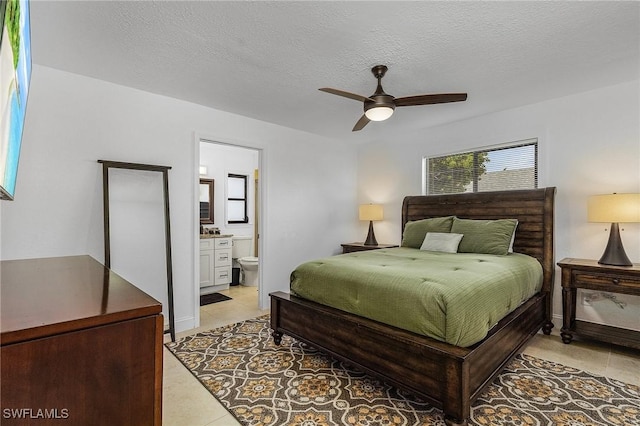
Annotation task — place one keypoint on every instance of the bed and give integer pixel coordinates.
(448, 376)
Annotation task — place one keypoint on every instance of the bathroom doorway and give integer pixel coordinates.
(236, 205)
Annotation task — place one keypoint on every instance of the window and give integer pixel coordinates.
(237, 199)
(492, 169)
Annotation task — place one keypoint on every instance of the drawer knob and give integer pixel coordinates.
(616, 281)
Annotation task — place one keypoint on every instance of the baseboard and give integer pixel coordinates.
(182, 324)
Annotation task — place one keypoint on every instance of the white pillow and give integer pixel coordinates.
(440, 241)
(513, 237)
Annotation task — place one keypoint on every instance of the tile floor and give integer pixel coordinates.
(187, 403)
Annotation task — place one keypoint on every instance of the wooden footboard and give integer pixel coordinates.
(447, 376)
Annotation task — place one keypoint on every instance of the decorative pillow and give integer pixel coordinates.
(484, 236)
(513, 237)
(440, 241)
(415, 231)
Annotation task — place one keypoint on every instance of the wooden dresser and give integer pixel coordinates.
(79, 345)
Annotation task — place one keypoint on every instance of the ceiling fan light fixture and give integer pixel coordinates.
(380, 113)
(380, 106)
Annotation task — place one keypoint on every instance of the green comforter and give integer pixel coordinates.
(455, 298)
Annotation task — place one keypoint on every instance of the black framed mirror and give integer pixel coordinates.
(206, 201)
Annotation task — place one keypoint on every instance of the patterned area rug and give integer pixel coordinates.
(294, 384)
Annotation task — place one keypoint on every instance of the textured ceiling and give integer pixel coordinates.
(266, 60)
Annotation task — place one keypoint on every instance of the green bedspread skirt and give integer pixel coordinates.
(455, 298)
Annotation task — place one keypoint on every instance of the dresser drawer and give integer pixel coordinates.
(594, 279)
(222, 243)
(223, 257)
(222, 275)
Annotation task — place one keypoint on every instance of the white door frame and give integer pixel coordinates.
(261, 202)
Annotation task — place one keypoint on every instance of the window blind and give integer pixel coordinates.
(488, 169)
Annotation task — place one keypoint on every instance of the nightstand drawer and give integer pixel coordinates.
(589, 279)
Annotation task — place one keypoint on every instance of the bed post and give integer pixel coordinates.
(456, 394)
(275, 323)
(548, 266)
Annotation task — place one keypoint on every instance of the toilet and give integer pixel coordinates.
(241, 251)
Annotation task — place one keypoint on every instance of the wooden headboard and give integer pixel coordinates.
(533, 208)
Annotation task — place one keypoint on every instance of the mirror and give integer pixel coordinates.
(206, 201)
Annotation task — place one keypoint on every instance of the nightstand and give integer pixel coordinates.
(590, 275)
(351, 247)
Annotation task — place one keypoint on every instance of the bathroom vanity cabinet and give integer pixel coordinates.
(215, 263)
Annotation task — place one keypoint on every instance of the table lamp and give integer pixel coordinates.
(614, 209)
(371, 212)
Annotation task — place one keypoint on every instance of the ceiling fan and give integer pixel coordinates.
(380, 106)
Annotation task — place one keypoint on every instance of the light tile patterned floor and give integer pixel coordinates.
(187, 403)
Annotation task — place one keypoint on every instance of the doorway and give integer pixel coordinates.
(237, 210)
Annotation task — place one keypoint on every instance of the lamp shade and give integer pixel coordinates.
(370, 212)
(614, 208)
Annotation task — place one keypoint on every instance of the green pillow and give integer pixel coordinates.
(484, 236)
(415, 231)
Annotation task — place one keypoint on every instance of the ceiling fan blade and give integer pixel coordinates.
(361, 123)
(441, 98)
(346, 94)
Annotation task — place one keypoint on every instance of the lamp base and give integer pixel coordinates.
(614, 254)
(371, 236)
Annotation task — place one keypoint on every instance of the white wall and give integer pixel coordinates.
(589, 143)
(72, 121)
